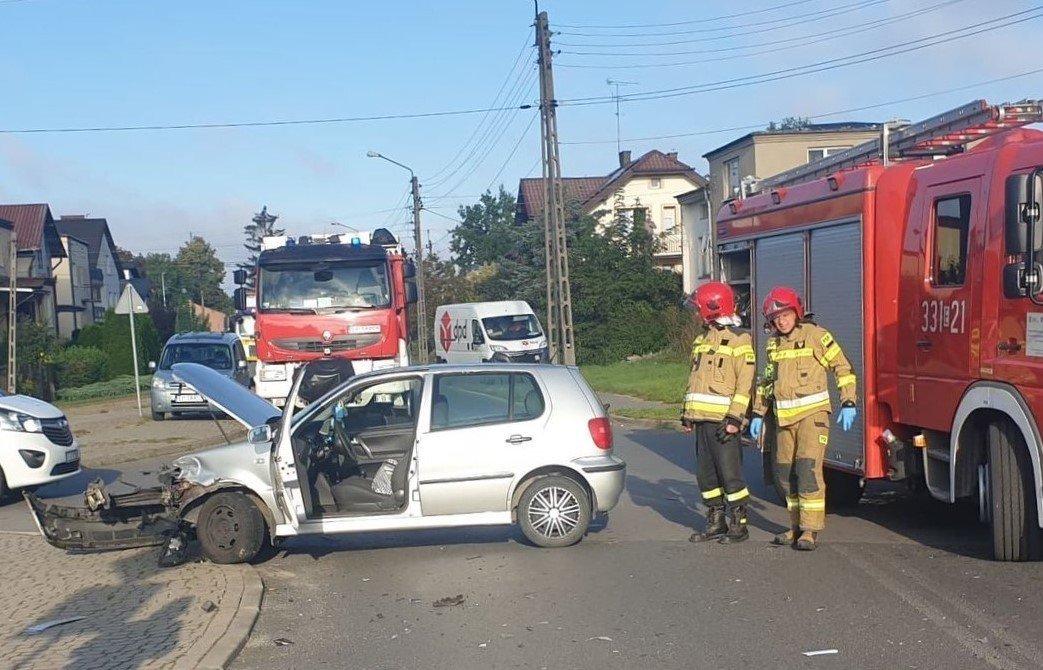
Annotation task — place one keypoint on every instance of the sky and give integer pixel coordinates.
(74, 64)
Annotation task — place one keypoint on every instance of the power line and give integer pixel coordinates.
(820, 66)
(760, 126)
(794, 42)
(526, 45)
(776, 24)
(722, 17)
(259, 124)
(525, 133)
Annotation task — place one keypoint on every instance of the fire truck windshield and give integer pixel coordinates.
(324, 286)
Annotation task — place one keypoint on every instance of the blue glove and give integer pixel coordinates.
(756, 426)
(847, 417)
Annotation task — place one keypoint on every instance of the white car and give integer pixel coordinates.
(400, 449)
(36, 445)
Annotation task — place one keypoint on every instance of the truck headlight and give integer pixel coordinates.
(273, 374)
(22, 423)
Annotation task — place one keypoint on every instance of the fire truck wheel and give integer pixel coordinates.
(230, 528)
(1016, 534)
(843, 489)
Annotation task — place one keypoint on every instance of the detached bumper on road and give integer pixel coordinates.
(136, 519)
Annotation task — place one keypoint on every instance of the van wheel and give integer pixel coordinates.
(230, 528)
(1016, 535)
(4, 490)
(554, 512)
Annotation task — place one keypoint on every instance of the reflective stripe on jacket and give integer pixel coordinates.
(721, 380)
(795, 374)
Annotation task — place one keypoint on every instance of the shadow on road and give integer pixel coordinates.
(916, 516)
(119, 635)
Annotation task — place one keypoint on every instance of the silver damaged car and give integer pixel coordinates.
(407, 448)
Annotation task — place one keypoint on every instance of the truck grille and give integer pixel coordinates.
(317, 345)
(57, 431)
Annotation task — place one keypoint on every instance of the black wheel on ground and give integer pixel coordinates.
(843, 489)
(554, 511)
(158, 416)
(4, 490)
(1016, 535)
(230, 528)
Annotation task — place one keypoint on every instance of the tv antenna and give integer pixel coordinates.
(617, 83)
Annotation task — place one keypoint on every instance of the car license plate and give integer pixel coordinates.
(189, 397)
(72, 455)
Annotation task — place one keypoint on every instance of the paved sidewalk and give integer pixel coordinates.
(616, 402)
(138, 615)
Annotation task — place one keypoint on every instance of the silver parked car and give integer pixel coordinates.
(220, 351)
(405, 448)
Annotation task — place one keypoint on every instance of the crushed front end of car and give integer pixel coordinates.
(143, 517)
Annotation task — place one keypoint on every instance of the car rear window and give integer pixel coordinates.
(486, 398)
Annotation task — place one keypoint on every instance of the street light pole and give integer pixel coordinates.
(421, 326)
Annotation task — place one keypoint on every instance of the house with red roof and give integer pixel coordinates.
(643, 190)
(39, 252)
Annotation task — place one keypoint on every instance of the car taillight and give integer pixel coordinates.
(600, 432)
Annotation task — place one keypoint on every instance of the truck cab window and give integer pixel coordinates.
(952, 218)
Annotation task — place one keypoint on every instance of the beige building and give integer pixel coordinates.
(72, 284)
(643, 190)
(746, 161)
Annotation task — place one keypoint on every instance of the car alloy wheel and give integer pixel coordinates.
(554, 512)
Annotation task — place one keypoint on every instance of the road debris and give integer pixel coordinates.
(208, 606)
(821, 652)
(450, 601)
(282, 642)
(41, 627)
(603, 638)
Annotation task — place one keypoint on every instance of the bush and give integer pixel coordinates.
(113, 388)
(80, 366)
(112, 336)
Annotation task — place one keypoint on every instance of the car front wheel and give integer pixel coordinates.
(554, 512)
(230, 528)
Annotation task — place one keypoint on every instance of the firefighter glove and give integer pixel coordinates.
(756, 426)
(847, 417)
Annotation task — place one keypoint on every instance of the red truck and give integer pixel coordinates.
(329, 296)
(922, 252)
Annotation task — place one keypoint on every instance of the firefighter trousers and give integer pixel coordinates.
(798, 461)
(719, 467)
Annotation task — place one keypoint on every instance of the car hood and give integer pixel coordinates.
(233, 398)
(24, 404)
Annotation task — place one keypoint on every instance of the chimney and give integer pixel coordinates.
(624, 159)
(671, 154)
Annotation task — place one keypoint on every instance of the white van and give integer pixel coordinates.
(480, 332)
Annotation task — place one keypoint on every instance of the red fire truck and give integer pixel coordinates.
(329, 296)
(922, 252)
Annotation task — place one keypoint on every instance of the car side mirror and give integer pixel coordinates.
(242, 364)
(239, 296)
(260, 435)
(411, 296)
(152, 365)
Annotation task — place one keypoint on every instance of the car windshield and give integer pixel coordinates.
(213, 355)
(514, 327)
(324, 286)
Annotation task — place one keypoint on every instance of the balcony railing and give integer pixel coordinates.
(670, 242)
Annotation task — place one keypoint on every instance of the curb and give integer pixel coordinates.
(658, 424)
(235, 619)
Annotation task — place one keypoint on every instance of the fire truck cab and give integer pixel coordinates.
(923, 270)
(329, 296)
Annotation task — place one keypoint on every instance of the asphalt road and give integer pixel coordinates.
(900, 582)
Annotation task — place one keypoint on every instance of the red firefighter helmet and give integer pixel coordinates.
(779, 300)
(714, 299)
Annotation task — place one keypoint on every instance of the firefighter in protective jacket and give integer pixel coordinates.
(799, 353)
(715, 406)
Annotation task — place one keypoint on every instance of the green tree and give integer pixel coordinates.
(201, 273)
(485, 232)
(112, 336)
(263, 225)
(790, 123)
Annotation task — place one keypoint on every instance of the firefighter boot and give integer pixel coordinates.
(808, 541)
(737, 526)
(716, 526)
(788, 538)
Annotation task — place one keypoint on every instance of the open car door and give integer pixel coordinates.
(285, 475)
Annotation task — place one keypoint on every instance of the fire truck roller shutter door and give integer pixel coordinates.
(836, 298)
(779, 262)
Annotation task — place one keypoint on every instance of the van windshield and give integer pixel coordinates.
(514, 327)
(213, 355)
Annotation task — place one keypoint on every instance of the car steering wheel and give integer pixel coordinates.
(354, 448)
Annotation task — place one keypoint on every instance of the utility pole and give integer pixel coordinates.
(163, 281)
(12, 315)
(559, 295)
(421, 303)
